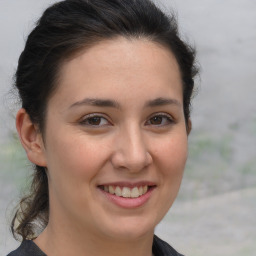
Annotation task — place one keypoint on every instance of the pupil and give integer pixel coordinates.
(156, 120)
(94, 120)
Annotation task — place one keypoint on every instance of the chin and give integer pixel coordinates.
(131, 235)
(131, 229)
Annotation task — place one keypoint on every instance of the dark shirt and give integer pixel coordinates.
(29, 248)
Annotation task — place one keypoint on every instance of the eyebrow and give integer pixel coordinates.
(113, 104)
(162, 102)
(97, 103)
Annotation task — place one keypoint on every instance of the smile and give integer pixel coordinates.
(128, 195)
(126, 192)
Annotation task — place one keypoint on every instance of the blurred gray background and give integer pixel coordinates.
(215, 212)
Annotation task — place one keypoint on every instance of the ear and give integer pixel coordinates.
(189, 126)
(30, 138)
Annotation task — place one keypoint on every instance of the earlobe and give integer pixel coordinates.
(30, 138)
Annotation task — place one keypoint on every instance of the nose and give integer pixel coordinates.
(130, 151)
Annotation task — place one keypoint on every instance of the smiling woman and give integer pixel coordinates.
(105, 89)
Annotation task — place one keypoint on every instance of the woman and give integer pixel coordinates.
(105, 89)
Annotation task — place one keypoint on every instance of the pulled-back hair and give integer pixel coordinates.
(64, 29)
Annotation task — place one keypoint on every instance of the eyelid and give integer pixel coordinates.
(162, 114)
(91, 115)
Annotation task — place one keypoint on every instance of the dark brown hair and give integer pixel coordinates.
(64, 29)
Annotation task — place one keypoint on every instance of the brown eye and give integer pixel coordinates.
(95, 121)
(160, 120)
(156, 120)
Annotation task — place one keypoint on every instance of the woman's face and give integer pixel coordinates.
(115, 139)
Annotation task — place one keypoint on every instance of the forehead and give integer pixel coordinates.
(130, 65)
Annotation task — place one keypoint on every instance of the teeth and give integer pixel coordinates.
(135, 192)
(118, 191)
(141, 191)
(126, 192)
(111, 190)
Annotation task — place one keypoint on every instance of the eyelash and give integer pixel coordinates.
(99, 117)
(89, 117)
(169, 119)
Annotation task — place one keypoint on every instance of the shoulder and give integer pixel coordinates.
(161, 248)
(27, 248)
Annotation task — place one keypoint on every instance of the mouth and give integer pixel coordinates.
(128, 195)
(127, 191)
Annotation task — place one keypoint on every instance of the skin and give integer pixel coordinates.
(137, 136)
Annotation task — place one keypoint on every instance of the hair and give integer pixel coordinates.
(64, 29)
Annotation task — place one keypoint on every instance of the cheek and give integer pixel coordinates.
(76, 156)
(73, 162)
(170, 162)
(172, 156)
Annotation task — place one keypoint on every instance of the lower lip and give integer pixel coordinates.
(129, 203)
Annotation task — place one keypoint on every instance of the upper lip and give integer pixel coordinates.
(129, 184)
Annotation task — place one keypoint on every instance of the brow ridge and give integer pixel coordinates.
(161, 102)
(96, 102)
(114, 104)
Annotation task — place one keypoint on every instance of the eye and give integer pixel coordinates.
(160, 120)
(95, 120)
